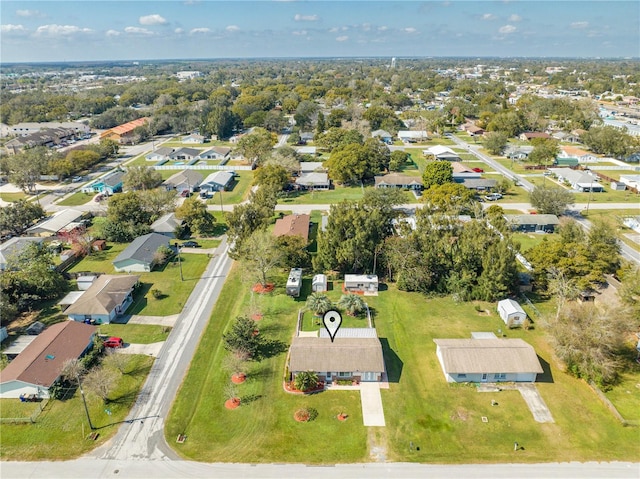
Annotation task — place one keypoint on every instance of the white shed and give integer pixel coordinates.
(511, 312)
(319, 283)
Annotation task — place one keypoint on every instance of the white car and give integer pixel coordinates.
(493, 197)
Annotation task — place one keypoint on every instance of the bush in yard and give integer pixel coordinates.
(156, 293)
(242, 337)
(306, 380)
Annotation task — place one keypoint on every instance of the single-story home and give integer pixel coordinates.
(216, 153)
(218, 181)
(159, 154)
(478, 184)
(140, 255)
(311, 167)
(184, 154)
(108, 297)
(461, 171)
(188, 180)
(313, 181)
(632, 222)
(14, 246)
(487, 360)
(56, 222)
(348, 357)
(294, 282)
(194, 138)
(412, 136)
(472, 129)
(395, 180)
(518, 153)
(366, 284)
(442, 153)
(532, 223)
(632, 181)
(579, 180)
(307, 150)
(384, 136)
(109, 184)
(166, 225)
(583, 156)
(530, 135)
(306, 136)
(319, 283)
(39, 366)
(511, 312)
(293, 225)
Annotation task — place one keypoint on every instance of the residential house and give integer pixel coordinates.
(40, 364)
(108, 297)
(184, 154)
(313, 181)
(632, 181)
(530, 135)
(511, 312)
(166, 225)
(579, 180)
(219, 181)
(366, 284)
(56, 222)
(109, 184)
(193, 138)
(319, 283)
(532, 223)
(307, 150)
(305, 137)
(461, 171)
(219, 153)
(293, 225)
(395, 180)
(355, 354)
(487, 360)
(442, 153)
(412, 136)
(14, 246)
(140, 255)
(124, 133)
(632, 222)
(185, 180)
(472, 129)
(311, 167)
(160, 154)
(583, 156)
(383, 135)
(188, 75)
(478, 184)
(294, 282)
(519, 152)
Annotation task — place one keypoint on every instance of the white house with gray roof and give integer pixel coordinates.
(579, 180)
(140, 255)
(218, 181)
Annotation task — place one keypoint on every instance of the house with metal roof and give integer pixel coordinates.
(140, 255)
(124, 133)
(532, 223)
(40, 364)
(56, 222)
(108, 297)
(441, 152)
(313, 181)
(487, 360)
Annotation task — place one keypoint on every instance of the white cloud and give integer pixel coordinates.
(506, 29)
(154, 19)
(515, 18)
(9, 28)
(232, 28)
(488, 16)
(113, 33)
(196, 31)
(138, 31)
(333, 30)
(299, 33)
(410, 30)
(383, 28)
(342, 38)
(579, 25)
(60, 30)
(29, 13)
(178, 31)
(306, 18)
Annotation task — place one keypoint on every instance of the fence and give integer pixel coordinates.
(205, 167)
(26, 420)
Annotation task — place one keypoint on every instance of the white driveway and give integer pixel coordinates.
(372, 412)
(536, 404)
(152, 349)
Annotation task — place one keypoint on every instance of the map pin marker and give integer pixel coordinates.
(332, 321)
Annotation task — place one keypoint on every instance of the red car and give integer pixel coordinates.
(478, 170)
(113, 342)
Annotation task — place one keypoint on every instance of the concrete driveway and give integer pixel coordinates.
(536, 404)
(152, 349)
(372, 412)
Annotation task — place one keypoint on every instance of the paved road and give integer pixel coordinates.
(143, 437)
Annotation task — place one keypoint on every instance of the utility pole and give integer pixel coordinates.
(221, 208)
(84, 401)
(179, 261)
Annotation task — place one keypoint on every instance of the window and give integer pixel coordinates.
(344, 374)
(500, 376)
(462, 376)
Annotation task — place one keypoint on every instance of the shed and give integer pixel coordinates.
(319, 283)
(294, 282)
(511, 312)
(361, 284)
(618, 186)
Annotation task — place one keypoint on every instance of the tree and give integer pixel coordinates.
(26, 167)
(398, 160)
(319, 303)
(335, 137)
(254, 146)
(630, 292)
(553, 201)
(304, 114)
(437, 173)
(499, 277)
(196, 216)
(448, 197)
(293, 250)
(261, 254)
(18, 216)
(101, 381)
(320, 124)
(127, 208)
(72, 369)
(242, 336)
(495, 141)
(157, 201)
(221, 122)
(141, 178)
(116, 360)
(275, 176)
(544, 151)
(608, 140)
(375, 115)
(246, 218)
(355, 162)
(306, 381)
(352, 304)
(589, 339)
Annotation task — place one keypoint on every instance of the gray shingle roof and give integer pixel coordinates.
(143, 248)
(343, 354)
(106, 292)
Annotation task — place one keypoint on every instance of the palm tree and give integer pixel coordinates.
(352, 304)
(306, 380)
(318, 303)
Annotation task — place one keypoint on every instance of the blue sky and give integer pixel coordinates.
(142, 30)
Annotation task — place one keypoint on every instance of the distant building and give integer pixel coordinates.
(124, 133)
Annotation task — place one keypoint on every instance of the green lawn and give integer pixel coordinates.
(443, 420)
(175, 292)
(11, 197)
(136, 333)
(333, 196)
(76, 199)
(239, 191)
(529, 240)
(61, 429)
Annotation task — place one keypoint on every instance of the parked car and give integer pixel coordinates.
(113, 342)
(478, 170)
(493, 196)
(190, 244)
(76, 179)
(98, 198)
(185, 193)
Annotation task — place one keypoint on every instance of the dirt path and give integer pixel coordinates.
(377, 443)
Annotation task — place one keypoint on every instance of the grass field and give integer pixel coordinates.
(77, 199)
(443, 420)
(167, 280)
(61, 429)
(239, 192)
(333, 196)
(136, 333)
(529, 240)
(11, 197)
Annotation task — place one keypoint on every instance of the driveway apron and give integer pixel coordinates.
(372, 412)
